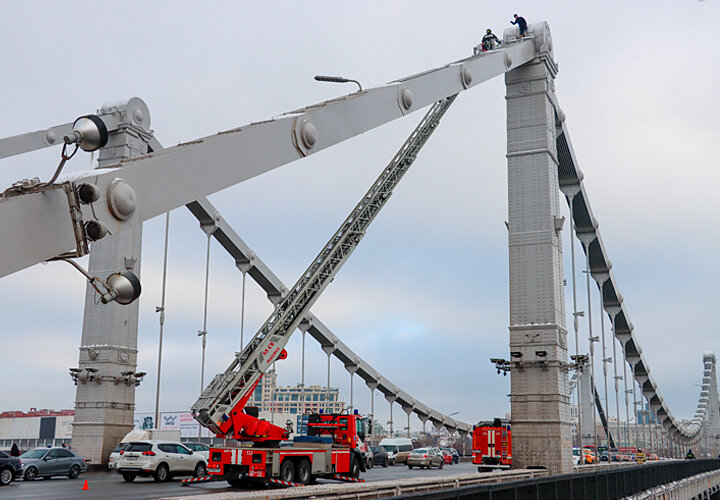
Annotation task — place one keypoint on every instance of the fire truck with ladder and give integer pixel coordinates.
(492, 445)
(332, 448)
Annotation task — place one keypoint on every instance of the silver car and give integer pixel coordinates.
(425, 457)
(48, 462)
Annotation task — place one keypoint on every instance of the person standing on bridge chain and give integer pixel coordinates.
(522, 24)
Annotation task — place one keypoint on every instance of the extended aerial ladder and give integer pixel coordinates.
(220, 406)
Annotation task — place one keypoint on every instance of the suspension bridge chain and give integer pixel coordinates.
(236, 383)
(586, 229)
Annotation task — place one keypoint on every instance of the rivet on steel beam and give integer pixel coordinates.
(466, 75)
(122, 200)
(308, 134)
(560, 114)
(406, 98)
(138, 116)
(50, 137)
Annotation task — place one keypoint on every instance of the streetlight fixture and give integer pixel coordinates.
(337, 79)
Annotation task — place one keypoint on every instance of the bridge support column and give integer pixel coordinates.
(540, 403)
(711, 429)
(105, 397)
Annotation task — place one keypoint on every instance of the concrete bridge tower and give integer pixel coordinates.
(106, 376)
(540, 404)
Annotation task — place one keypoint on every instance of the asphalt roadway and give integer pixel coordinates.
(110, 485)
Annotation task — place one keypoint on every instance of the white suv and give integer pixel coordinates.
(160, 459)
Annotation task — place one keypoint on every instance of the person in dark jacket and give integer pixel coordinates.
(489, 40)
(689, 455)
(522, 24)
(14, 451)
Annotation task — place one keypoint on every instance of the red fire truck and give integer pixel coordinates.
(492, 445)
(331, 449)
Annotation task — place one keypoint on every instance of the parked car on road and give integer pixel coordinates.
(380, 455)
(10, 468)
(577, 456)
(115, 455)
(425, 458)
(199, 448)
(454, 453)
(161, 460)
(48, 462)
(395, 446)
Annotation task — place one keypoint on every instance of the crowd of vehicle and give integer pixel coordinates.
(159, 459)
(40, 463)
(400, 451)
(588, 455)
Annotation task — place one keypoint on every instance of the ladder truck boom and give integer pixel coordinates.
(220, 406)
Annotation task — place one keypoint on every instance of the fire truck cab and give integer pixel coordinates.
(492, 445)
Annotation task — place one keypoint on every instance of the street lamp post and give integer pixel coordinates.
(337, 79)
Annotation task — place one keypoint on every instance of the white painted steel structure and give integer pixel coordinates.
(162, 180)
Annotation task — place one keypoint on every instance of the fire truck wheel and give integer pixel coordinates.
(355, 468)
(287, 471)
(304, 471)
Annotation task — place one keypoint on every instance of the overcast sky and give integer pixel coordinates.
(424, 299)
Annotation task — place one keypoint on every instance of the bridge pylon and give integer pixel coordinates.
(540, 405)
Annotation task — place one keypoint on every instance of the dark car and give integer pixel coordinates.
(48, 462)
(10, 468)
(454, 453)
(380, 455)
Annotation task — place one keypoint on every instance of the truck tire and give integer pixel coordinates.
(304, 471)
(354, 468)
(287, 471)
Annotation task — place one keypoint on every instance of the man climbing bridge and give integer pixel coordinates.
(488, 42)
(522, 24)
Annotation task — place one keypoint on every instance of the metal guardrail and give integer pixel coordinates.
(604, 484)
(391, 487)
